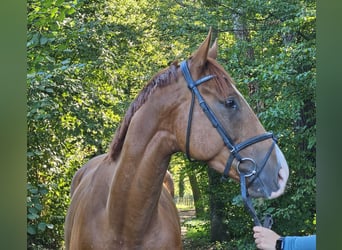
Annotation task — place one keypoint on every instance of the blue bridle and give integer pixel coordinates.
(234, 149)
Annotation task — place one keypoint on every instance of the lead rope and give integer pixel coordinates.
(268, 221)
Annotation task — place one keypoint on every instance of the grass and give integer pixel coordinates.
(198, 238)
(197, 234)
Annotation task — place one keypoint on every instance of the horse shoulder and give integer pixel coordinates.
(169, 228)
(84, 170)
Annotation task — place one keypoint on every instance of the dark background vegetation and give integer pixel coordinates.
(87, 60)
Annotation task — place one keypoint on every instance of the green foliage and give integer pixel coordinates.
(88, 59)
(197, 237)
(34, 209)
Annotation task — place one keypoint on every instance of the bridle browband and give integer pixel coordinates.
(234, 149)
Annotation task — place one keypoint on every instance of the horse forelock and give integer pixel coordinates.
(161, 79)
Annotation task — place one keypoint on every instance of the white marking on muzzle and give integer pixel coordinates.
(283, 174)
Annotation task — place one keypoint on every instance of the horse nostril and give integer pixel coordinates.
(282, 177)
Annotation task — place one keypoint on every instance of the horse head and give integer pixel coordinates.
(222, 129)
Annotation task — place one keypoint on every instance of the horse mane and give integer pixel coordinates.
(161, 79)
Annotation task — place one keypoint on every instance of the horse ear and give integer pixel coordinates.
(199, 58)
(213, 50)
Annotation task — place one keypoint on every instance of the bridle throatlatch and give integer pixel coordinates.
(234, 149)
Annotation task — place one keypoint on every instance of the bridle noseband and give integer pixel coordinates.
(234, 149)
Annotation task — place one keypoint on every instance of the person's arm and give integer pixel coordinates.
(300, 242)
(266, 239)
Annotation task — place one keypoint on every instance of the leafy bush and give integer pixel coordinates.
(37, 227)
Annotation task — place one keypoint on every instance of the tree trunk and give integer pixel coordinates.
(218, 229)
(181, 184)
(196, 192)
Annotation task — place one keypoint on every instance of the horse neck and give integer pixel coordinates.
(140, 170)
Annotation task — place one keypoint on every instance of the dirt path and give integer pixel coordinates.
(185, 215)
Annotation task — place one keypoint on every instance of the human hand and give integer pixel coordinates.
(265, 238)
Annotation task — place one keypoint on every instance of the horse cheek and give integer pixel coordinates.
(206, 144)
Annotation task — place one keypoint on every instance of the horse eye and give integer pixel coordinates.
(230, 103)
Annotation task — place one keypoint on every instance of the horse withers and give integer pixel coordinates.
(119, 201)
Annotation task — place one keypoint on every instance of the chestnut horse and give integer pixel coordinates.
(118, 200)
